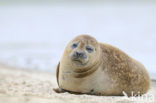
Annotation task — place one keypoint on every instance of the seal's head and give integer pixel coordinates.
(82, 51)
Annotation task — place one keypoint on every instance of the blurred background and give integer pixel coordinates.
(34, 33)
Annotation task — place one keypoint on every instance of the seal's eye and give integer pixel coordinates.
(74, 45)
(89, 49)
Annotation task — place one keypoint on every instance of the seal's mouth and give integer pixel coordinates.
(79, 62)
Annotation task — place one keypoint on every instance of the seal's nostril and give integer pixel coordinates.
(80, 54)
(77, 53)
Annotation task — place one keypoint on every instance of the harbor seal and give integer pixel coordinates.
(90, 67)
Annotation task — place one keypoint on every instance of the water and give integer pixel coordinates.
(34, 36)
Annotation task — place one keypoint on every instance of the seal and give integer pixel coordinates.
(90, 67)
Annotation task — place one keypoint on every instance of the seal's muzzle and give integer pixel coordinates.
(79, 58)
(79, 55)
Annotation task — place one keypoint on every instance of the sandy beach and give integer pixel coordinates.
(25, 86)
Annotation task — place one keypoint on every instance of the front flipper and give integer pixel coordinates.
(59, 90)
(57, 73)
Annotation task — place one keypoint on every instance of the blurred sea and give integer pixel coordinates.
(33, 36)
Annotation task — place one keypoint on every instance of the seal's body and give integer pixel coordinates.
(100, 69)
